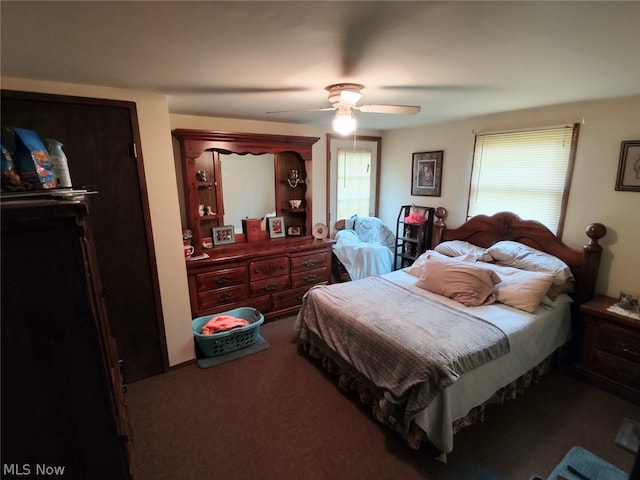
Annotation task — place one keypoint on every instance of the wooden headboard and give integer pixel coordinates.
(484, 231)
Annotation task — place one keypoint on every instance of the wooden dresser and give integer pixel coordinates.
(610, 354)
(271, 276)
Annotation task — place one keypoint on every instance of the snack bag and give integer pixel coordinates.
(32, 159)
(10, 179)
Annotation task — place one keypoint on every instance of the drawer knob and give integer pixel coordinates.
(270, 288)
(310, 278)
(222, 280)
(310, 263)
(223, 297)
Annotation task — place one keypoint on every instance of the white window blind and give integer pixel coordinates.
(525, 172)
(354, 182)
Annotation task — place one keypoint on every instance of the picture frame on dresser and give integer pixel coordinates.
(628, 178)
(426, 173)
(294, 231)
(223, 235)
(276, 227)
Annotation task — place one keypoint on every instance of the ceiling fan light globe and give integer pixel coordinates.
(344, 123)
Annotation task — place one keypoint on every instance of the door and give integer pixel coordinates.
(99, 138)
(339, 168)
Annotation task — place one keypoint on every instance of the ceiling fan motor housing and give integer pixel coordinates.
(344, 94)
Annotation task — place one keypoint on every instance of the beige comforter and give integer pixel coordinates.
(407, 345)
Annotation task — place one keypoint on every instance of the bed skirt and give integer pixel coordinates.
(369, 394)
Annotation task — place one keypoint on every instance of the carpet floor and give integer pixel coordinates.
(276, 414)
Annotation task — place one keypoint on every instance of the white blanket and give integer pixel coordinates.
(362, 259)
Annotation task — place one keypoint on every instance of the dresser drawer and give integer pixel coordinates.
(309, 262)
(272, 285)
(221, 278)
(309, 278)
(619, 341)
(222, 296)
(265, 269)
(289, 299)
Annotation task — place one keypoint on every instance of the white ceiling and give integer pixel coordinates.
(241, 59)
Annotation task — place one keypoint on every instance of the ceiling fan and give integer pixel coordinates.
(344, 98)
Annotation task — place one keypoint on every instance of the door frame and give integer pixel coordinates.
(136, 153)
(365, 138)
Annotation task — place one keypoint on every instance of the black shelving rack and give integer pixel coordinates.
(413, 239)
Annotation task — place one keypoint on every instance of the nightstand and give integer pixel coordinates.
(610, 353)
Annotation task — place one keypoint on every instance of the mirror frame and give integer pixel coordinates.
(195, 142)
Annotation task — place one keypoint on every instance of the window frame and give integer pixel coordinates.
(568, 174)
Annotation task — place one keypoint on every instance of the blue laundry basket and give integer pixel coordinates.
(229, 340)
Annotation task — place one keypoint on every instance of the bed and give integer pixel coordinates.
(428, 347)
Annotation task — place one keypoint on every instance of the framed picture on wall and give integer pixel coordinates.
(223, 235)
(426, 173)
(629, 167)
(276, 227)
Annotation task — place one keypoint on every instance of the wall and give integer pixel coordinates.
(592, 196)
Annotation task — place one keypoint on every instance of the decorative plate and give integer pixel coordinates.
(320, 231)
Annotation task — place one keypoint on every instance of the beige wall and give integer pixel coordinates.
(592, 197)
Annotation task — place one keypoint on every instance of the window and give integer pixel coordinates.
(353, 182)
(525, 172)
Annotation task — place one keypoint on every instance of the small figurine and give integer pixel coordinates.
(201, 209)
(208, 210)
(201, 175)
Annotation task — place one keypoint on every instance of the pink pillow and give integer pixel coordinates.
(458, 280)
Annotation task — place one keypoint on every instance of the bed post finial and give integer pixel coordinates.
(595, 231)
(438, 225)
(591, 261)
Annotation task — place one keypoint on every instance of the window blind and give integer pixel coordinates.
(525, 172)
(354, 182)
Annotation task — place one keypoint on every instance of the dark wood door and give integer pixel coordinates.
(99, 138)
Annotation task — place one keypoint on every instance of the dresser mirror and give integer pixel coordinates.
(231, 176)
(248, 187)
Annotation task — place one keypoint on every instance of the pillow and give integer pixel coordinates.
(561, 299)
(460, 281)
(519, 289)
(555, 290)
(515, 254)
(459, 248)
(416, 268)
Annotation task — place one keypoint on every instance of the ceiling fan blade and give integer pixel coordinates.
(226, 90)
(325, 109)
(397, 109)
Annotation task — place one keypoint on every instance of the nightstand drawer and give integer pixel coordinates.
(619, 341)
(616, 369)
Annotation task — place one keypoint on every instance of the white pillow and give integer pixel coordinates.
(459, 248)
(416, 268)
(518, 255)
(521, 289)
